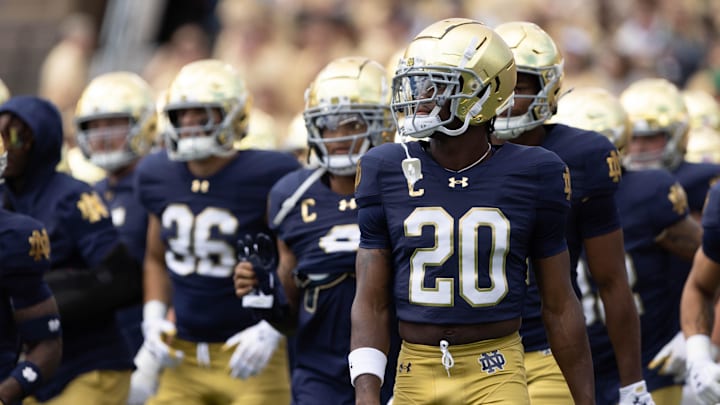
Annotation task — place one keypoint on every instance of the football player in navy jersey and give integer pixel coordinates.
(660, 122)
(314, 213)
(116, 124)
(696, 306)
(660, 127)
(89, 262)
(446, 228)
(203, 196)
(28, 312)
(592, 225)
(656, 225)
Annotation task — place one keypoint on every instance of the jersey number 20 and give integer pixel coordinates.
(441, 293)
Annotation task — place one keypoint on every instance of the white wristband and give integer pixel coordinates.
(698, 348)
(367, 360)
(154, 309)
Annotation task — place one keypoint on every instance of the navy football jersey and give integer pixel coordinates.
(24, 258)
(595, 173)
(460, 240)
(696, 179)
(322, 232)
(130, 219)
(649, 202)
(711, 224)
(128, 215)
(81, 235)
(202, 220)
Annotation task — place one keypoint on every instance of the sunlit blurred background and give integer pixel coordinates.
(53, 48)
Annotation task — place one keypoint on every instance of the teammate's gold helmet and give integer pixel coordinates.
(457, 61)
(123, 95)
(348, 90)
(595, 109)
(535, 54)
(702, 108)
(703, 145)
(211, 85)
(655, 106)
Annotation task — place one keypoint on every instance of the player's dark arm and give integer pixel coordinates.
(370, 315)
(682, 238)
(696, 303)
(565, 325)
(606, 261)
(286, 264)
(84, 294)
(44, 346)
(156, 280)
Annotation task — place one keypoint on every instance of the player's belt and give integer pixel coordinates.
(313, 280)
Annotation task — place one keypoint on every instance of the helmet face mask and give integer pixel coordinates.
(105, 141)
(537, 56)
(347, 111)
(455, 66)
(655, 107)
(218, 90)
(116, 120)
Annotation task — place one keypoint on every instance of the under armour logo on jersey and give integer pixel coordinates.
(54, 325)
(403, 368)
(347, 204)
(492, 361)
(452, 182)
(200, 186)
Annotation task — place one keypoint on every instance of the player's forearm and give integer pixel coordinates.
(569, 344)
(695, 309)
(623, 325)
(156, 282)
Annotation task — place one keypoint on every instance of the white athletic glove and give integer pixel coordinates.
(635, 394)
(156, 329)
(671, 358)
(255, 346)
(144, 380)
(703, 372)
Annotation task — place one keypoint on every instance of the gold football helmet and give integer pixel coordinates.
(703, 145)
(702, 108)
(535, 54)
(351, 89)
(595, 109)
(655, 106)
(458, 61)
(122, 95)
(210, 85)
(4, 92)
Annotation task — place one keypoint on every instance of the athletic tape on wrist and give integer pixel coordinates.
(367, 360)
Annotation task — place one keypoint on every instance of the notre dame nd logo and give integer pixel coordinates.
(614, 168)
(678, 198)
(39, 245)
(92, 207)
(492, 361)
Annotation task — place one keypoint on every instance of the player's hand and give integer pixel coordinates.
(704, 379)
(158, 332)
(635, 394)
(671, 358)
(244, 278)
(144, 380)
(254, 347)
